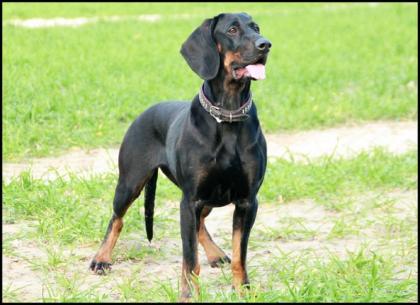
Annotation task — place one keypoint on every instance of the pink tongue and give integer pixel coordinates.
(256, 71)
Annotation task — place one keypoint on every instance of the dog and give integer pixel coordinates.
(212, 148)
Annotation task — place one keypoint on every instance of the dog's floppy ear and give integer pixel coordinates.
(200, 50)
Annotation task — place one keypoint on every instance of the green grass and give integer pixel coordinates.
(362, 277)
(64, 216)
(203, 10)
(69, 291)
(10, 294)
(328, 177)
(330, 64)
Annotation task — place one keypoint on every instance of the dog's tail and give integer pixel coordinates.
(149, 204)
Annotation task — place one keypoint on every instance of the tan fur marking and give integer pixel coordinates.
(229, 58)
(230, 86)
(238, 272)
(104, 253)
(213, 252)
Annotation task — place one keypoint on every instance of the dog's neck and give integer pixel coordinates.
(227, 94)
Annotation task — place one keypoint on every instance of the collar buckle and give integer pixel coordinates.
(215, 113)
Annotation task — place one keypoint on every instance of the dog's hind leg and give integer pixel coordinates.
(124, 196)
(138, 160)
(214, 254)
(190, 263)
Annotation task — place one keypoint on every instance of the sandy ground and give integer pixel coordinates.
(345, 141)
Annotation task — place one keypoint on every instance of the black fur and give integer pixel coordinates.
(200, 50)
(149, 204)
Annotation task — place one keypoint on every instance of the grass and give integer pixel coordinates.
(327, 177)
(67, 216)
(10, 294)
(83, 86)
(362, 277)
(69, 291)
(289, 228)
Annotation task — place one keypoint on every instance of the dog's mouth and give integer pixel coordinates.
(254, 69)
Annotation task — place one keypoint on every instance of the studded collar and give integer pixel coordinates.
(223, 115)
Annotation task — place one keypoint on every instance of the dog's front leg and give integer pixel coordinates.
(243, 220)
(190, 264)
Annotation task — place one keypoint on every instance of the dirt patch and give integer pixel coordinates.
(83, 163)
(34, 23)
(21, 227)
(345, 141)
(25, 283)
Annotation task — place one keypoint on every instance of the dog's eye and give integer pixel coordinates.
(233, 30)
(256, 28)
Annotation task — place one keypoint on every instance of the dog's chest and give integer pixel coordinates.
(222, 177)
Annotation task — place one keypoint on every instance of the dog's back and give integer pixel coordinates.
(146, 137)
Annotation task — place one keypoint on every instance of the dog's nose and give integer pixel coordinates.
(262, 44)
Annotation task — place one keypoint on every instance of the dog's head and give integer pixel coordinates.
(231, 42)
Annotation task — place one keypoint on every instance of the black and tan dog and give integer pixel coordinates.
(213, 148)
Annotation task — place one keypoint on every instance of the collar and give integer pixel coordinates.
(223, 115)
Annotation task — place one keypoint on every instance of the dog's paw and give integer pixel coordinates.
(100, 268)
(218, 262)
